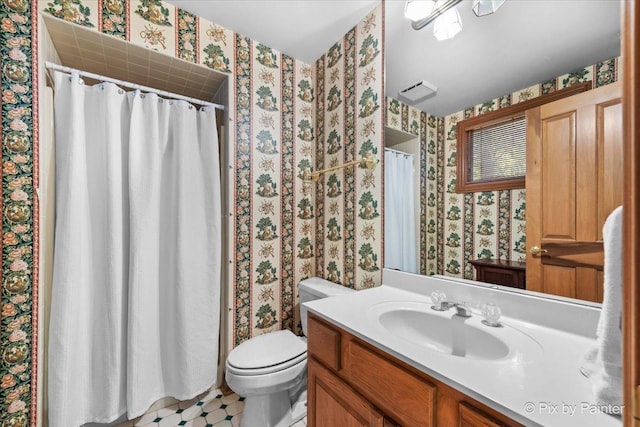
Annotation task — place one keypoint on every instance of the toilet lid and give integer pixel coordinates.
(275, 348)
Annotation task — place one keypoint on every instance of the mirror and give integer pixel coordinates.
(523, 50)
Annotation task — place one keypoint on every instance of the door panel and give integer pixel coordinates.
(559, 280)
(574, 181)
(558, 177)
(610, 179)
(600, 286)
(333, 403)
(588, 279)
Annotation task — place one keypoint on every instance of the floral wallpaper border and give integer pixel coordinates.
(350, 153)
(320, 67)
(243, 225)
(18, 319)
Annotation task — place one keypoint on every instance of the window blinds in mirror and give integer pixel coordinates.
(499, 151)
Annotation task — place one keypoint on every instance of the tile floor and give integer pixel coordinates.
(210, 409)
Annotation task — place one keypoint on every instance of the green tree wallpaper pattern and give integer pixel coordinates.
(226, 51)
(460, 227)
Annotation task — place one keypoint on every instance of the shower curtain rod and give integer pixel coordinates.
(53, 66)
(398, 152)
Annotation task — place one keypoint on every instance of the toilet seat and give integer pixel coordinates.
(267, 353)
(267, 369)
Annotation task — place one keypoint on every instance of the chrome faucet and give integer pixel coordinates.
(461, 308)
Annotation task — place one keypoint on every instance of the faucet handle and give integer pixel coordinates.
(437, 298)
(491, 313)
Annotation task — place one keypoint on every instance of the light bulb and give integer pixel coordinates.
(416, 10)
(447, 25)
(486, 7)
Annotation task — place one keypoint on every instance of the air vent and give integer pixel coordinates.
(417, 92)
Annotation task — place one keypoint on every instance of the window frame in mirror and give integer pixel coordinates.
(464, 181)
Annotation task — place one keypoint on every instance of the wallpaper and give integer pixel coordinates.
(278, 220)
(350, 83)
(272, 105)
(457, 227)
(18, 318)
(424, 126)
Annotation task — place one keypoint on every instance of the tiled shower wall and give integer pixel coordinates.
(350, 110)
(273, 126)
(457, 227)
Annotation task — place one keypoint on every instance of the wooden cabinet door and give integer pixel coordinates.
(574, 180)
(468, 416)
(333, 403)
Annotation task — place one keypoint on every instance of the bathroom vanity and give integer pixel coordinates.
(383, 357)
(351, 382)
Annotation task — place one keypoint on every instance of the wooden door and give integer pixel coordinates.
(574, 180)
(333, 403)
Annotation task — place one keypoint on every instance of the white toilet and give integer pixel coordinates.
(270, 370)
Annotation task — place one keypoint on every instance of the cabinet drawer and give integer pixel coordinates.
(407, 398)
(323, 342)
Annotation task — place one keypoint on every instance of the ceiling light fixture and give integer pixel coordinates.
(447, 19)
(486, 7)
(439, 9)
(447, 25)
(416, 10)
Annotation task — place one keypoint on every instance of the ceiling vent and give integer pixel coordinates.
(417, 92)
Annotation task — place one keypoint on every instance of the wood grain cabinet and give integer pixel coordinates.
(352, 383)
(335, 403)
(469, 416)
(499, 272)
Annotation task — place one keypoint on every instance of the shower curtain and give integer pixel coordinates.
(399, 214)
(136, 288)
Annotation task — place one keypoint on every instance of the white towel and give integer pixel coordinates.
(603, 364)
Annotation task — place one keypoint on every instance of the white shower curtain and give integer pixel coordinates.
(399, 214)
(136, 288)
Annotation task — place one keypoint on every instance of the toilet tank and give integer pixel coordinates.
(315, 288)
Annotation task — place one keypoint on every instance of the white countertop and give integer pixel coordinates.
(547, 390)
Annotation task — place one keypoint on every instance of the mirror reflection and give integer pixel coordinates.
(546, 235)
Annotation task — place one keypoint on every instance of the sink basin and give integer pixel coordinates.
(450, 335)
(447, 333)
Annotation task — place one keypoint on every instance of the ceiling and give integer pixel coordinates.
(525, 42)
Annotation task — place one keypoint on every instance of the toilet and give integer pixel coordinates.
(270, 370)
